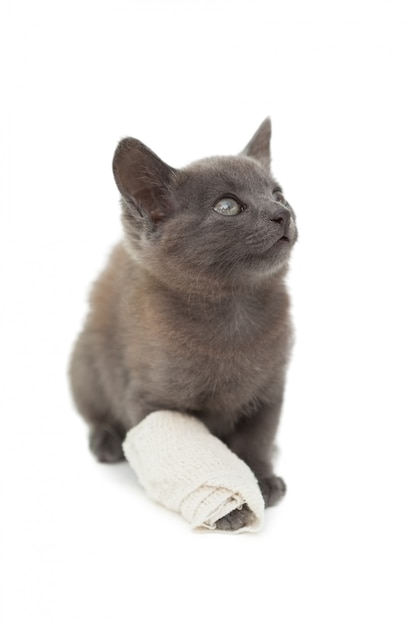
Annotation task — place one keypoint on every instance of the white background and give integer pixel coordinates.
(80, 542)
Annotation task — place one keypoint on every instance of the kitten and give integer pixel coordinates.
(192, 312)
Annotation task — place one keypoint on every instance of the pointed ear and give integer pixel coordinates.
(142, 177)
(259, 146)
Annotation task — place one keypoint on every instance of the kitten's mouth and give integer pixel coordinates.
(281, 242)
(277, 246)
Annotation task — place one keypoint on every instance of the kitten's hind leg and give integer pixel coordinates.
(106, 443)
(106, 432)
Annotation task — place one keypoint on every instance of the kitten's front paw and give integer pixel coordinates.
(272, 488)
(106, 445)
(235, 519)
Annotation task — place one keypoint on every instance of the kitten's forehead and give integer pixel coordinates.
(233, 173)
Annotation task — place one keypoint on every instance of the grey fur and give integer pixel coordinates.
(192, 312)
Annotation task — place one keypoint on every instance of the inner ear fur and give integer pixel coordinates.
(259, 146)
(142, 177)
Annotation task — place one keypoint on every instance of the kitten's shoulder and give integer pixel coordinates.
(107, 289)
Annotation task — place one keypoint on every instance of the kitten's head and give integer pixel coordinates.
(220, 218)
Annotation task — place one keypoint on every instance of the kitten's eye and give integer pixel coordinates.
(228, 206)
(278, 197)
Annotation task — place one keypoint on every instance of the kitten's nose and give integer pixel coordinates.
(282, 217)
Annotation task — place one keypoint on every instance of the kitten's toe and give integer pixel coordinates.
(235, 519)
(106, 445)
(273, 489)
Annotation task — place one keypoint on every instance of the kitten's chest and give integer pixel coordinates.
(208, 380)
(220, 364)
(215, 361)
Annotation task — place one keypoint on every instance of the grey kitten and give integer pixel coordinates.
(192, 312)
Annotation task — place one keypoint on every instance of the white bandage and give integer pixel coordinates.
(187, 469)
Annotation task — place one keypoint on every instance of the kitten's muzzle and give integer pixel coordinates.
(282, 217)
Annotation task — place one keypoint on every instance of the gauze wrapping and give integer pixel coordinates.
(183, 466)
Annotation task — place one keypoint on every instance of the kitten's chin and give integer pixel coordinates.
(273, 258)
(279, 249)
(283, 243)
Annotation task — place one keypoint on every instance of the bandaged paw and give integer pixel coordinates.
(184, 467)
